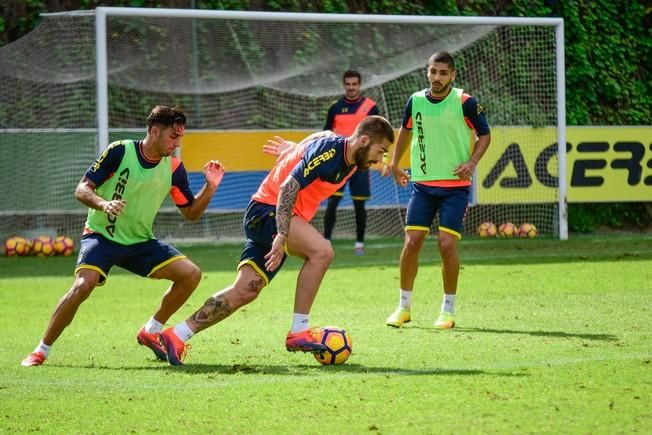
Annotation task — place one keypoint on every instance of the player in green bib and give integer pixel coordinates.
(124, 189)
(448, 135)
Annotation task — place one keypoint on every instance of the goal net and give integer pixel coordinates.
(244, 77)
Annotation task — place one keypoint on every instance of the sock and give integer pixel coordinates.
(449, 303)
(299, 322)
(405, 301)
(182, 331)
(359, 245)
(43, 348)
(153, 326)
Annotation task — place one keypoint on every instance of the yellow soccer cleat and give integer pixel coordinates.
(445, 321)
(398, 318)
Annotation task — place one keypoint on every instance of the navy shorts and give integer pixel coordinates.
(359, 186)
(426, 201)
(260, 228)
(101, 254)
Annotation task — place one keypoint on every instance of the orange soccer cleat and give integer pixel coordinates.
(304, 341)
(152, 341)
(175, 349)
(34, 359)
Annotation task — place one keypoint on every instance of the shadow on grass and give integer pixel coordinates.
(291, 370)
(560, 334)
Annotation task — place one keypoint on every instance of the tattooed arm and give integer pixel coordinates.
(287, 197)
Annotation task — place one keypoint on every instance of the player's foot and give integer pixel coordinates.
(33, 359)
(152, 341)
(398, 318)
(305, 341)
(445, 321)
(175, 349)
(359, 250)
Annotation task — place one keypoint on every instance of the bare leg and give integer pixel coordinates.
(306, 242)
(65, 311)
(450, 261)
(409, 263)
(185, 277)
(221, 305)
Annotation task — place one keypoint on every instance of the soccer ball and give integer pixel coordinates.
(43, 246)
(507, 230)
(64, 245)
(527, 230)
(24, 246)
(487, 229)
(10, 246)
(338, 344)
(17, 246)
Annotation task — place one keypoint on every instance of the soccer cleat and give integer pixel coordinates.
(398, 317)
(304, 341)
(358, 251)
(445, 321)
(33, 359)
(175, 349)
(152, 341)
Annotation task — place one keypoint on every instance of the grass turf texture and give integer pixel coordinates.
(552, 337)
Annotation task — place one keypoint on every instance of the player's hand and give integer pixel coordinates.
(114, 207)
(275, 255)
(275, 147)
(384, 169)
(465, 170)
(214, 172)
(400, 176)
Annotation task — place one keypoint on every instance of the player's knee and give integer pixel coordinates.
(246, 287)
(246, 294)
(193, 275)
(324, 255)
(412, 245)
(80, 291)
(447, 245)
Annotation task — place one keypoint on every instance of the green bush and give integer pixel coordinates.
(586, 218)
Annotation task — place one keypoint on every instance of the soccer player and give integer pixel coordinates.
(343, 117)
(124, 189)
(277, 224)
(452, 135)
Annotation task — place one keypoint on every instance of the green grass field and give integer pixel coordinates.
(552, 337)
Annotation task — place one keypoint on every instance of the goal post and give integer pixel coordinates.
(242, 76)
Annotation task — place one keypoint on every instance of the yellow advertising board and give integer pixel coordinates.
(237, 150)
(604, 164)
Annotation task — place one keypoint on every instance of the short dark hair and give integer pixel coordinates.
(166, 116)
(351, 73)
(443, 57)
(376, 127)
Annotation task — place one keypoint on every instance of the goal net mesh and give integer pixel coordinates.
(243, 76)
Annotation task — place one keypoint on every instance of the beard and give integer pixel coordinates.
(439, 88)
(361, 158)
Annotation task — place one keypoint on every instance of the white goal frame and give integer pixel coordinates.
(101, 14)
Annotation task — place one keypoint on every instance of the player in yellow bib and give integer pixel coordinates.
(124, 189)
(448, 134)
